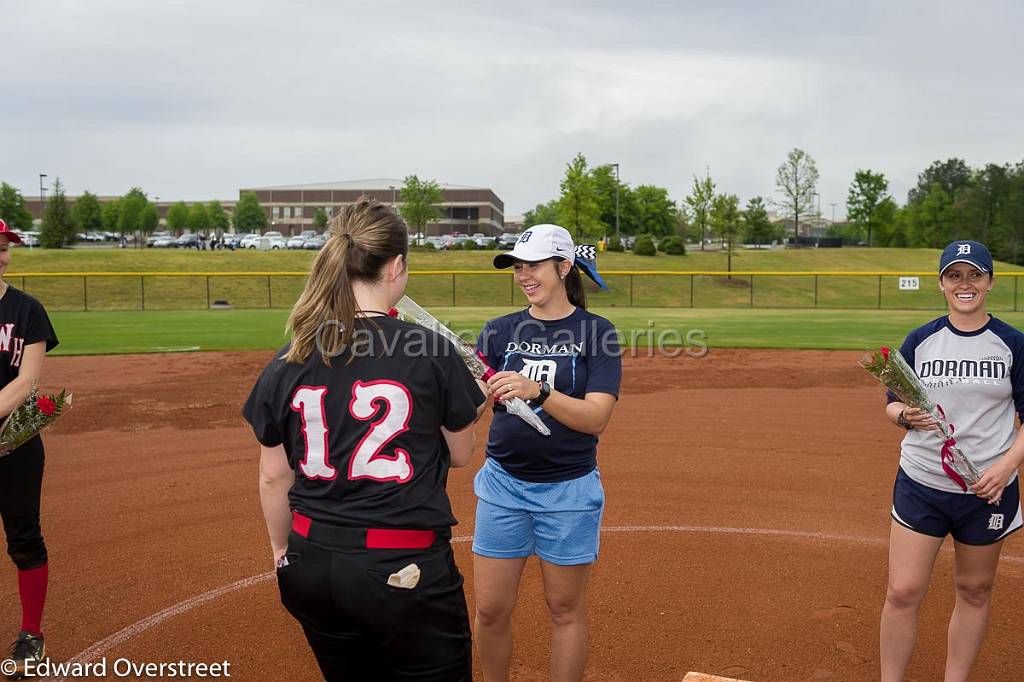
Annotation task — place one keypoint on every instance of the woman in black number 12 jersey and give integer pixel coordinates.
(359, 418)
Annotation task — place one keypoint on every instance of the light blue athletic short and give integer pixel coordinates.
(559, 522)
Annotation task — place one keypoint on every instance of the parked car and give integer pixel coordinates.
(298, 240)
(230, 240)
(507, 240)
(315, 243)
(164, 242)
(187, 241)
(439, 243)
(268, 242)
(249, 241)
(29, 238)
(276, 239)
(159, 234)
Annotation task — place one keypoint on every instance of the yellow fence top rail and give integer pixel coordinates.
(605, 273)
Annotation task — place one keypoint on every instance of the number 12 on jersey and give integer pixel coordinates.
(386, 404)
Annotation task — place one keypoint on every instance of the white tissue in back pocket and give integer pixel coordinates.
(407, 578)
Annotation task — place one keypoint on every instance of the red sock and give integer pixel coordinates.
(32, 588)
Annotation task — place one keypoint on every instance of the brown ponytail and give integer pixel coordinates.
(363, 237)
(574, 288)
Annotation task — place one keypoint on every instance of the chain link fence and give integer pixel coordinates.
(654, 289)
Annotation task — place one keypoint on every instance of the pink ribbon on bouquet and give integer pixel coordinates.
(947, 454)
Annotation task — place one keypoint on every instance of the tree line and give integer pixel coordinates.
(594, 203)
(134, 214)
(129, 215)
(951, 200)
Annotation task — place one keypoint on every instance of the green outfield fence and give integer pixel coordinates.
(653, 289)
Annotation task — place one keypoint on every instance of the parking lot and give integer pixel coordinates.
(309, 240)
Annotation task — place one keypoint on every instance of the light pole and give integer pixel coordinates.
(42, 197)
(616, 199)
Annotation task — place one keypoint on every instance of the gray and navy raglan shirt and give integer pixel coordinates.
(978, 379)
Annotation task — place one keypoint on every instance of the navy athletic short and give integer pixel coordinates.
(970, 519)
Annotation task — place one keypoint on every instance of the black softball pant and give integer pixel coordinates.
(361, 628)
(21, 483)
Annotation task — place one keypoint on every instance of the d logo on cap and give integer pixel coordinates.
(963, 250)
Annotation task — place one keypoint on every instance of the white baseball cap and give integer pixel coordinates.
(539, 243)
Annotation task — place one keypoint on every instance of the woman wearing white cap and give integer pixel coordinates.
(973, 366)
(25, 336)
(540, 494)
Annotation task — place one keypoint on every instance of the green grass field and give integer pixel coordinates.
(776, 312)
(643, 328)
(490, 287)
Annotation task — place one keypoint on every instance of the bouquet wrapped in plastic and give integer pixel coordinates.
(408, 310)
(888, 366)
(31, 417)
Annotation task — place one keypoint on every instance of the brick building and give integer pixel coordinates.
(464, 209)
(291, 208)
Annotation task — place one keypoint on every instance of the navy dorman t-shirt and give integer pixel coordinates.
(576, 355)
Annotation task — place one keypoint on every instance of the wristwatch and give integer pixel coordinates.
(545, 391)
(901, 420)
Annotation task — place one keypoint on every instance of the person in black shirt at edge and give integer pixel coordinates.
(25, 336)
(359, 418)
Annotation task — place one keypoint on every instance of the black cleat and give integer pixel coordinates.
(27, 647)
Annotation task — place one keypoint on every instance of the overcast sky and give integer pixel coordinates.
(193, 100)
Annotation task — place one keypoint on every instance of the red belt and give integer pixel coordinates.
(370, 538)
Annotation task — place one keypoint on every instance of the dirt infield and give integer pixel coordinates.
(748, 498)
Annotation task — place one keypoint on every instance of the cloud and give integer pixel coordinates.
(196, 100)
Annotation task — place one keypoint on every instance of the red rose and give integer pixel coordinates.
(885, 352)
(46, 406)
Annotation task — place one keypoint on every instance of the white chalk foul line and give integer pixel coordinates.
(103, 646)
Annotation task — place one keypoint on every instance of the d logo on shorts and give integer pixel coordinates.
(995, 522)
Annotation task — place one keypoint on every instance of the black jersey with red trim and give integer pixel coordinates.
(364, 437)
(23, 321)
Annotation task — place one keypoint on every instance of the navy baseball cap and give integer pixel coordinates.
(966, 251)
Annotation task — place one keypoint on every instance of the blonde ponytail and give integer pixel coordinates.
(364, 236)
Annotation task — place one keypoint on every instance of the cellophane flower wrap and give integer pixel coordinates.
(891, 369)
(408, 310)
(32, 416)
